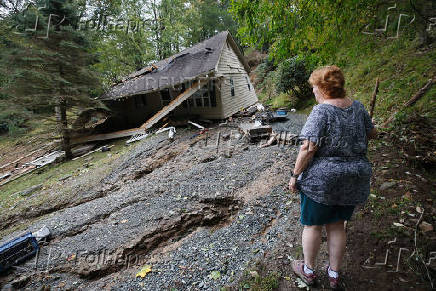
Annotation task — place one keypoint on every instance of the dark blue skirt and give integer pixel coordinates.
(314, 213)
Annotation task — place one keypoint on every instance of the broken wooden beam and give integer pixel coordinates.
(174, 103)
(105, 136)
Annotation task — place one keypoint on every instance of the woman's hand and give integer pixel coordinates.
(293, 185)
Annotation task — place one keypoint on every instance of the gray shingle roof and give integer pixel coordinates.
(197, 60)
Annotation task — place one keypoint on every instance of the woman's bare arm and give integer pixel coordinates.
(305, 155)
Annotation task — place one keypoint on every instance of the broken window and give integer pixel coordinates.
(232, 87)
(165, 97)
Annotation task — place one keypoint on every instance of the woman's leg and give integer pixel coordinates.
(336, 240)
(311, 240)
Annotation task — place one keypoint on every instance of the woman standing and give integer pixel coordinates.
(332, 169)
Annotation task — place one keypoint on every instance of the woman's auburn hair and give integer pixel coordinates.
(330, 80)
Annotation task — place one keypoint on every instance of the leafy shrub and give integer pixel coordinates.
(292, 76)
(263, 70)
(12, 120)
(268, 85)
(284, 100)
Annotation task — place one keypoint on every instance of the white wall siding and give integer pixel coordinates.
(230, 66)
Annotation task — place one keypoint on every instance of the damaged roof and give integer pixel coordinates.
(190, 63)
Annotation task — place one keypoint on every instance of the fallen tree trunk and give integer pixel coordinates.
(374, 96)
(421, 92)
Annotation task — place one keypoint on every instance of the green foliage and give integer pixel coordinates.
(207, 17)
(292, 75)
(402, 72)
(42, 69)
(12, 119)
(295, 27)
(263, 69)
(268, 282)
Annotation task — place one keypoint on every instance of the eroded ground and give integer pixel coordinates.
(204, 219)
(181, 206)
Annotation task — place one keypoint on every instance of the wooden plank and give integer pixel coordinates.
(174, 103)
(105, 136)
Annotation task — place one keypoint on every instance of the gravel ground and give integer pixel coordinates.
(182, 207)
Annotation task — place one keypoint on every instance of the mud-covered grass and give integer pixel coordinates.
(60, 182)
(51, 175)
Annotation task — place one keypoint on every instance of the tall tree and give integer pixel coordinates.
(49, 66)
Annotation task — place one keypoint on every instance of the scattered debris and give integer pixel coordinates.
(272, 116)
(82, 149)
(271, 140)
(19, 159)
(195, 124)
(105, 149)
(64, 178)
(171, 131)
(425, 226)
(47, 159)
(5, 176)
(287, 137)
(21, 248)
(144, 271)
(301, 284)
(137, 137)
(42, 234)
(96, 150)
(90, 118)
(255, 132)
(387, 185)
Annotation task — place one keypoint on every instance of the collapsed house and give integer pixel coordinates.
(208, 80)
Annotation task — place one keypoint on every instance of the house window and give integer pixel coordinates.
(204, 97)
(198, 102)
(248, 84)
(165, 97)
(206, 102)
(232, 87)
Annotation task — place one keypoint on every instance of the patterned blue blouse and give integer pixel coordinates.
(340, 172)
